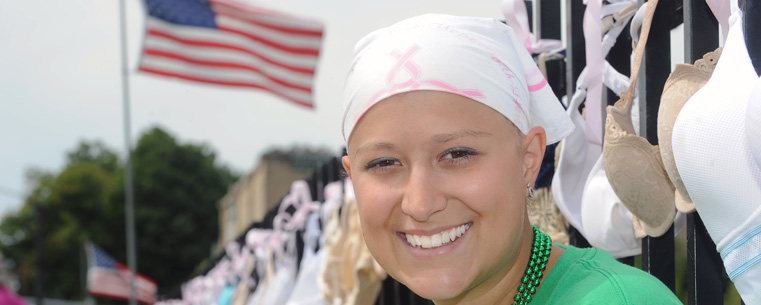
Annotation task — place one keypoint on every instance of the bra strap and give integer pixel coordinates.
(628, 96)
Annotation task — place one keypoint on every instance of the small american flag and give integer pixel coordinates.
(110, 279)
(230, 43)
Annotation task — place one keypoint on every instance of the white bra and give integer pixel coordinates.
(710, 146)
(714, 158)
(577, 155)
(753, 124)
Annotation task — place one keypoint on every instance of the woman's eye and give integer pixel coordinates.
(458, 153)
(382, 162)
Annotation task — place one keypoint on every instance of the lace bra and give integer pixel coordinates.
(680, 86)
(633, 166)
(581, 188)
(576, 155)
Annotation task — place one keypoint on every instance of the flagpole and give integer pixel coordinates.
(129, 206)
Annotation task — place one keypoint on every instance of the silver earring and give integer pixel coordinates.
(530, 191)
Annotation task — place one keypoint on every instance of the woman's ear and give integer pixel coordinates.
(347, 165)
(534, 144)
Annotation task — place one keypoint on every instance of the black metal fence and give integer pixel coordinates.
(705, 270)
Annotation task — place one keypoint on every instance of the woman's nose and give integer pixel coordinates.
(423, 197)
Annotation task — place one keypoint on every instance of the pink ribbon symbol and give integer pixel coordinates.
(404, 62)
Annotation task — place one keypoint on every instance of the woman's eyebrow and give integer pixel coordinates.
(445, 137)
(376, 146)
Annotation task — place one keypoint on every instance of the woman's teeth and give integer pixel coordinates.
(436, 240)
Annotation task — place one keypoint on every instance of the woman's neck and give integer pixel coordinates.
(500, 287)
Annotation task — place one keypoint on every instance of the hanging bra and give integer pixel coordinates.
(348, 274)
(741, 244)
(633, 166)
(576, 154)
(710, 146)
(607, 223)
(245, 284)
(545, 215)
(516, 16)
(575, 159)
(306, 291)
(683, 82)
(284, 278)
(753, 125)
(713, 155)
(604, 221)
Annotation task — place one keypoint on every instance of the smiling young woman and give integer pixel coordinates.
(446, 120)
(427, 166)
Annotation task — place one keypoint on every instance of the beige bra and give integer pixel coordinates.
(633, 166)
(349, 274)
(680, 86)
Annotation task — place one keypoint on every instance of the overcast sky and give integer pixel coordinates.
(60, 84)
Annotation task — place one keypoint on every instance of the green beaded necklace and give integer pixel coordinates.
(540, 254)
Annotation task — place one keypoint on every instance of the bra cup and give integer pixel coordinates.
(622, 116)
(753, 123)
(581, 190)
(711, 149)
(639, 228)
(713, 154)
(680, 86)
(607, 222)
(576, 159)
(680, 221)
(635, 171)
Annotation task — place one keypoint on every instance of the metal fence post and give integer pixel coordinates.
(575, 55)
(657, 252)
(752, 26)
(705, 270)
(575, 62)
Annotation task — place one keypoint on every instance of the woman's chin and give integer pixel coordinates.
(435, 293)
(436, 287)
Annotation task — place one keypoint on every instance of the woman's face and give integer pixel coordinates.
(440, 182)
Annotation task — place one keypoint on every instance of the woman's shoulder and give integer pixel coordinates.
(592, 276)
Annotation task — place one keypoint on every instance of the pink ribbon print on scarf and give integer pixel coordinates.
(404, 62)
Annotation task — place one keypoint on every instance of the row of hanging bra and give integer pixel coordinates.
(313, 254)
(615, 188)
(605, 180)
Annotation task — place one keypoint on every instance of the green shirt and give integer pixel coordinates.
(592, 276)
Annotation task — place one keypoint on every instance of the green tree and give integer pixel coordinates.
(95, 153)
(176, 189)
(75, 206)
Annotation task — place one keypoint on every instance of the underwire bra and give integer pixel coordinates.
(753, 126)
(680, 86)
(633, 166)
(713, 155)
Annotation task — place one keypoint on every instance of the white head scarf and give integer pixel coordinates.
(478, 58)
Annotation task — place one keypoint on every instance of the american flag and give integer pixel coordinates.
(235, 44)
(110, 279)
